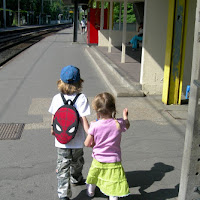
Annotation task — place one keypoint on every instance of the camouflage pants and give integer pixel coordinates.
(69, 169)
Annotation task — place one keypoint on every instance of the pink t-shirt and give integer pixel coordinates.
(107, 139)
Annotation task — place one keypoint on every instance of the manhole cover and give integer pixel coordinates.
(11, 131)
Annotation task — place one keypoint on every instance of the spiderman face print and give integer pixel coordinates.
(65, 124)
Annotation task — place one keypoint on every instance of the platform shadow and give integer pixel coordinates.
(162, 194)
(136, 55)
(144, 179)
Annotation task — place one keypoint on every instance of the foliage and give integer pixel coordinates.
(55, 7)
(28, 5)
(130, 14)
(50, 7)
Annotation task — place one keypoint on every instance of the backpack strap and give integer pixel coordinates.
(63, 98)
(67, 101)
(76, 97)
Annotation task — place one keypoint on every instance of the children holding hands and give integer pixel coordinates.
(103, 135)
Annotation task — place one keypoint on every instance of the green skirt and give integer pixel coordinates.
(109, 177)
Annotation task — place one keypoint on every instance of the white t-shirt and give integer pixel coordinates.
(83, 23)
(83, 108)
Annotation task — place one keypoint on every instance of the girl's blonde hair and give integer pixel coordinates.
(71, 88)
(104, 104)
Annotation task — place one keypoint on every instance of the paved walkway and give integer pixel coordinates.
(151, 149)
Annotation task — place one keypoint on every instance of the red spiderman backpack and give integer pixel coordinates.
(66, 121)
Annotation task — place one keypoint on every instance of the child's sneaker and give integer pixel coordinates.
(81, 182)
(113, 198)
(90, 190)
(64, 198)
(90, 194)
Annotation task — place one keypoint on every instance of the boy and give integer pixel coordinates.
(70, 156)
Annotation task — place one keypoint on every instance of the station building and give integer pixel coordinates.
(167, 46)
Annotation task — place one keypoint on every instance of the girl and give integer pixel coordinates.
(104, 136)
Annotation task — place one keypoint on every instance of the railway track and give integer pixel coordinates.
(14, 42)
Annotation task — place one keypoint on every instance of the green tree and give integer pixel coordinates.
(25, 5)
(56, 8)
(130, 14)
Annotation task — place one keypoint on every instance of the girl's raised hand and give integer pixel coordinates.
(125, 116)
(125, 113)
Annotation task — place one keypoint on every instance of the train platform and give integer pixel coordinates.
(129, 71)
(122, 78)
(152, 147)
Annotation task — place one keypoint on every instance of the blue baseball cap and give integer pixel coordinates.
(70, 74)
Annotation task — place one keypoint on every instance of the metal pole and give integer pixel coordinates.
(190, 172)
(110, 27)
(18, 12)
(75, 20)
(4, 12)
(120, 15)
(102, 15)
(124, 33)
(42, 10)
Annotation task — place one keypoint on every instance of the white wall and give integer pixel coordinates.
(154, 46)
(116, 37)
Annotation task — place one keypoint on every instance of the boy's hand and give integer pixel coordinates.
(52, 132)
(92, 144)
